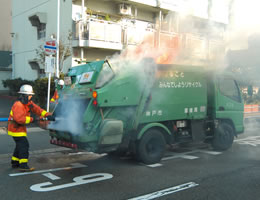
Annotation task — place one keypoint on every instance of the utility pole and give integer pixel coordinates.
(58, 39)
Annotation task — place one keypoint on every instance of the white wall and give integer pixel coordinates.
(5, 24)
(25, 41)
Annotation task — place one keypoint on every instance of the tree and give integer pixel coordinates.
(64, 51)
(245, 62)
(250, 90)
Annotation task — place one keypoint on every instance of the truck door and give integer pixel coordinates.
(229, 104)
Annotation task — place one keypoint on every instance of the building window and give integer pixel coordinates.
(39, 20)
(41, 31)
(36, 66)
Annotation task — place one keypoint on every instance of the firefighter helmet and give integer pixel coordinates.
(61, 82)
(26, 89)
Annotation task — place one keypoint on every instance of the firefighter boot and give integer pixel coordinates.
(25, 168)
(15, 164)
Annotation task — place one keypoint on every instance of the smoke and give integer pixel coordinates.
(143, 66)
(69, 116)
(243, 40)
(179, 48)
(244, 22)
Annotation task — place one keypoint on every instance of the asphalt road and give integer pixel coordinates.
(191, 172)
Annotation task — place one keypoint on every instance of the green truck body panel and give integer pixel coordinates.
(177, 94)
(136, 99)
(152, 125)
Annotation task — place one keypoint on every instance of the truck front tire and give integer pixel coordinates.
(151, 147)
(223, 137)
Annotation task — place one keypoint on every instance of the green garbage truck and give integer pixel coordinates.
(141, 107)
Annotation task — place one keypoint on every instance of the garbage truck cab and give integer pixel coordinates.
(140, 107)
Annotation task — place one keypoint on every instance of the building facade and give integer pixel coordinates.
(192, 31)
(5, 42)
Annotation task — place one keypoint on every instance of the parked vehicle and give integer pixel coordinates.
(142, 107)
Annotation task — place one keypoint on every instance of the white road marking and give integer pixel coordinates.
(210, 152)
(189, 157)
(181, 155)
(248, 138)
(186, 156)
(252, 140)
(79, 180)
(51, 176)
(155, 165)
(81, 153)
(74, 166)
(166, 191)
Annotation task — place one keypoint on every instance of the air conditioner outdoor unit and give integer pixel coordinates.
(125, 9)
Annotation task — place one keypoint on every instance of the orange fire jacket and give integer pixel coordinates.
(55, 96)
(20, 116)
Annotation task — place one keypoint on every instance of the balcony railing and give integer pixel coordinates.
(110, 35)
(98, 33)
(135, 36)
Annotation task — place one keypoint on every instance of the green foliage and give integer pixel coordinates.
(15, 84)
(250, 90)
(40, 88)
(250, 97)
(65, 51)
(254, 99)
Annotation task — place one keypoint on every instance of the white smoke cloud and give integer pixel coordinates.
(69, 116)
(244, 22)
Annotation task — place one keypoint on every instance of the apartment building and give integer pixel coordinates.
(5, 42)
(192, 31)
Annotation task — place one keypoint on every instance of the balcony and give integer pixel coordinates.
(203, 49)
(98, 34)
(94, 33)
(134, 36)
(110, 35)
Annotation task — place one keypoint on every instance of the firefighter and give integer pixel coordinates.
(18, 118)
(55, 97)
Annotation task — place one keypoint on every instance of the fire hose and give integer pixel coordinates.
(49, 118)
(3, 119)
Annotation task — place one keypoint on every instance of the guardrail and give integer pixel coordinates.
(251, 108)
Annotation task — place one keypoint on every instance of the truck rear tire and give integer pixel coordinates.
(151, 147)
(223, 137)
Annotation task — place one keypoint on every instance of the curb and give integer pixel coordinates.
(3, 130)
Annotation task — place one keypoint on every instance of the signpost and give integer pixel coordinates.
(49, 68)
(50, 47)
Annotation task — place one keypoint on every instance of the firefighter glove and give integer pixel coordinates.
(50, 118)
(35, 120)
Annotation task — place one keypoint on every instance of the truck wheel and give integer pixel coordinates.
(223, 137)
(151, 147)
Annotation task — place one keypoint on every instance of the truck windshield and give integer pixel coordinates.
(105, 75)
(229, 88)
